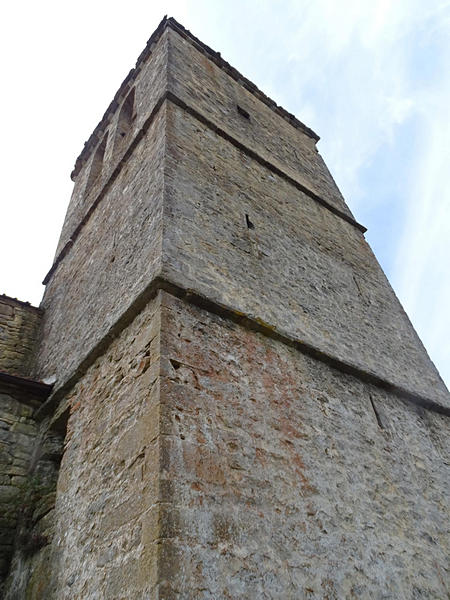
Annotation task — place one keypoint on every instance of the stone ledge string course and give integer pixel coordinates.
(39, 389)
(249, 322)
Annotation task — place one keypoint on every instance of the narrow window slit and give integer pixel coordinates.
(377, 414)
(249, 224)
(243, 112)
(97, 163)
(127, 115)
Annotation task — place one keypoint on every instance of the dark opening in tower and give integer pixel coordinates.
(97, 163)
(126, 117)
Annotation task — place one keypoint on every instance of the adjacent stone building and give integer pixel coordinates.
(220, 395)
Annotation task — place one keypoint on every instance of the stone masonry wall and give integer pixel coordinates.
(287, 479)
(106, 515)
(116, 255)
(299, 267)
(19, 322)
(206, 87)
(35, 523)
(150, 84)
(18, 433)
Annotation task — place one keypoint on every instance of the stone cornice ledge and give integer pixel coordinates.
(38, 388)
(249, 322)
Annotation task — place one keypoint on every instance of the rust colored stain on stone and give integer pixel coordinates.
(257, 466)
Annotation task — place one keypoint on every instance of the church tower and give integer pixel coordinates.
(246, 410)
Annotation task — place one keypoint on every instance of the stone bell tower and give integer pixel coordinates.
(247, 411)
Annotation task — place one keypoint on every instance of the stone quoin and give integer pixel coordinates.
(220, 395)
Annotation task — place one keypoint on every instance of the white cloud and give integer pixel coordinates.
(421, 272)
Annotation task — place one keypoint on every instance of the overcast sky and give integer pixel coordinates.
(371, 78)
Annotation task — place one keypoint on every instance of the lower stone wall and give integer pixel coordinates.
(106, 513)
(31, 508)
(204, 460)
(18, 433)
(284, 478)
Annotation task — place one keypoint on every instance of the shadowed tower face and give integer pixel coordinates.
(250, 412)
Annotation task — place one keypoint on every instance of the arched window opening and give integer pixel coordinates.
(97, 163)
(126, 117)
